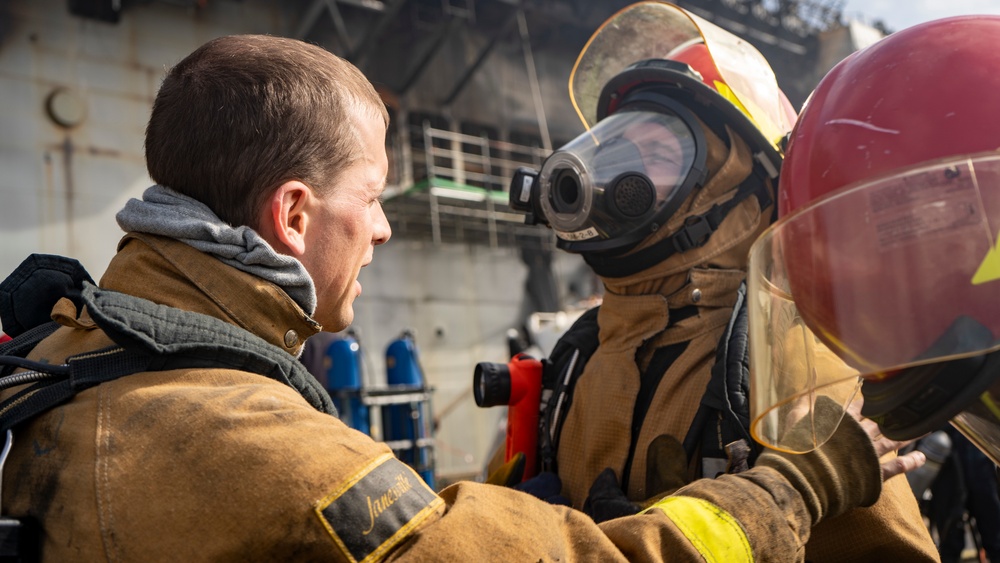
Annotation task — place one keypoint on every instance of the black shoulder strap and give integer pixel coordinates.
(53, 385)
(723, 418)
(148, 337)
(561, 370)
(20, 345)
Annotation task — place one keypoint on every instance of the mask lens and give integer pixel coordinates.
(567, 196)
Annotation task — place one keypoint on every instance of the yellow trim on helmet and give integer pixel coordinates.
(987, 400)
(748, 79)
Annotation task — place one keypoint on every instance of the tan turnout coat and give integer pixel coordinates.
(225, 465)
(634, 321)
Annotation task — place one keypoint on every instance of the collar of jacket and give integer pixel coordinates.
(172, 273)
(629, 320)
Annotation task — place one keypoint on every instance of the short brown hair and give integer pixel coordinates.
(244, 113)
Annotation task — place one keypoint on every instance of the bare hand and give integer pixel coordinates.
(883, 445)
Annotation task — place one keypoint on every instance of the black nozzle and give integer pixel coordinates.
(523, 195)
(523, 188)
(491, 384)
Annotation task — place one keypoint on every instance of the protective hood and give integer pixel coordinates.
(728, 168)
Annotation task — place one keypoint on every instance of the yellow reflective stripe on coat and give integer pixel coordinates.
(716, 535)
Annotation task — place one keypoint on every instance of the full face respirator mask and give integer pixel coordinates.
(647, 87)
(613, 186)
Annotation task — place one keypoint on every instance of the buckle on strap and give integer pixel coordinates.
(695, 232)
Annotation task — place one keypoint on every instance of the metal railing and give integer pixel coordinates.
(461, 188)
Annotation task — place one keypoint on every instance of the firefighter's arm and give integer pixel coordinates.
(891, 529)
(764, 514)
(380, 510)
(777, 503)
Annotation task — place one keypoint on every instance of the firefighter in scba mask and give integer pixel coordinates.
(885, 256)
(663, 196)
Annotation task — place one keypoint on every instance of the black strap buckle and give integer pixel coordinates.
(695, 232)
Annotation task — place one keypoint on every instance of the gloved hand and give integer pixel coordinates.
(606, 500)
(508, 474)
(666, 471)
(666, 467)
(546, 486)
(842, 474)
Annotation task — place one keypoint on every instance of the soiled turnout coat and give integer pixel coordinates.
(684, 303)
(226, 465)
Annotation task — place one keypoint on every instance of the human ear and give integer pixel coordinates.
(287, 216)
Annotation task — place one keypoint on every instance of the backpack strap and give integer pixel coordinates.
(54, 385)
(722, 419)
(19, 346)
(147, 336)
(721, 426)
(560, 372)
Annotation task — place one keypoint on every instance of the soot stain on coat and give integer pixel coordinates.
(40, 448)
(36, 475)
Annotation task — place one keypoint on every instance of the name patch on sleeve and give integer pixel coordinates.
(376, 508)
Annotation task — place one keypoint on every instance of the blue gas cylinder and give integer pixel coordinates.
(401, 363)
(344, 382)
(406, 421)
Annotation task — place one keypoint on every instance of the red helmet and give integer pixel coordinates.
(698, 57)
(886, 252)
(922, 93)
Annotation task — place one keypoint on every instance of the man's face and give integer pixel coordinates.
(345, 227)
(661, 152)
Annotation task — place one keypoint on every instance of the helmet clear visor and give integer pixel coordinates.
(612, 181)
(878, 277)
(653, 30)
(980, 422)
